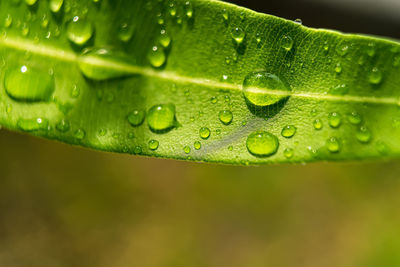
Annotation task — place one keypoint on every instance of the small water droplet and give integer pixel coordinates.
(382, 147)
(257, 85)
(30, 2)
(136, 117)
(225, 15)
(161, 118)
(157, 57)
(137, 150)
(226, 117)
(363, 135)
(375, 76)
(214, 100)
(262, 144)
(335, 120)
(204, 133)
(371, 49)
(238, 35)
(63, 126)
(29, 84)
(289, 131)
(197, 145)
(80, 134)
(341, 89)
(189, 10)
(338, 68)
(354, 118)
(187, 149)
(8, 21)
(55, 5)
(287, 42)
(318, 124)
(288, 153)
(164, 39)
(153, 144)
(125, 32)
(79, 31)
(342, 49)
(31, 125)
(298, 21)
(333, 145)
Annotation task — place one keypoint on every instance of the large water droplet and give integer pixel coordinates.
(95, 64)
(29, 84)
(262, 144)
(80, 31)
(265, 89)
(161, 117)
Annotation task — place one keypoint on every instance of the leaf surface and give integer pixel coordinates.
(196, 80)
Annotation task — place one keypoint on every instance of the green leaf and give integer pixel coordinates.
(199, 80)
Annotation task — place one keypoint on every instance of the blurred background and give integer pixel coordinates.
(68, 206)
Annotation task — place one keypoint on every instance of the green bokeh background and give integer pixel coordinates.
(67, 206)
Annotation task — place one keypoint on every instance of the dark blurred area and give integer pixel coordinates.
(68, 206)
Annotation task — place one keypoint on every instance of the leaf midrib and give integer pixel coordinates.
(67, 56)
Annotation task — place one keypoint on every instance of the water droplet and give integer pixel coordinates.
(92, 64)
(287, 42)
(172, 8)
(354, 118)
(371, 49)
(363, 135)
(342, 49)
(289, 131)
(298, 21)
(396, 61)
(55, 5)
(225, 15)
(204, 133)
(335, 120)
(258, 39)
(153, 144)
(262, 144)
(161, 117)
(31, 125)
(157, 57)
(318, 124)
(30, 2)
(79, 31)
(226, 117)
(333, 145)
(382, 147)
(258, 85)
(375, 76)
(288, 153)
(80, 134)
(341, 89)
(230, 148)
(197, 145)
(8, 21)
(338, 68)
(214, 100)
(136, 117)
(75, 92)
(187, 149)
(137, 150)
(125, 32)
(238, 35)
(63, 126)
(164, 39)
(188, 9)
(29, 84)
